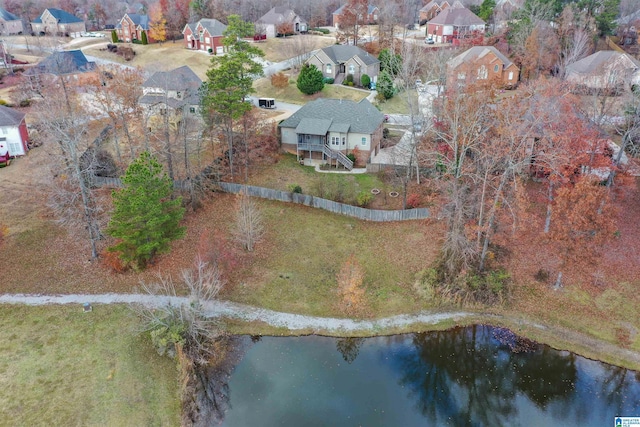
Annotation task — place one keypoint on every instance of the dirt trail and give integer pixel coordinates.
(228, 309)
(577, 342)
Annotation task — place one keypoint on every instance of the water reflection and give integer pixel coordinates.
(475, 376)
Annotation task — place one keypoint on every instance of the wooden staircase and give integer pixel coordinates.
(336, 155)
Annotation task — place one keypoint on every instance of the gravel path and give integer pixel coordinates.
(240, 311)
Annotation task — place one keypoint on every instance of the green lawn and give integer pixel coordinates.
(398, 104)
(62, 367)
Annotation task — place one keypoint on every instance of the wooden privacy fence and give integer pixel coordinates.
(301, 199)
(328, 205)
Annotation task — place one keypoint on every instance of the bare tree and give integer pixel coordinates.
(62, 118)
(174, 323)
(249, 227)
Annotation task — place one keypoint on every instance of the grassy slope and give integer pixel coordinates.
(59, 366)
(292, 94)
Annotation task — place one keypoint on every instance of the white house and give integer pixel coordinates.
(13, 132)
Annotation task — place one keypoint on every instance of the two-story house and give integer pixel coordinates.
(10, 23)
(205, 35)
(329, 129)
(14, 138)
(431, 10)
(175, 92)
(484, 65)
(338, 61)
(454, 23)
(131, 26)
(371, 17)
(57, 21)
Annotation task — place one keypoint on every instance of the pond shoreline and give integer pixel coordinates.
(249, 320)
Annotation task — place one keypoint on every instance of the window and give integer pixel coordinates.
(163, 111)
(4, 131)
(329, 69)
(510, 75)
(344, 140)
(482, 72)
(364, 140)
(375, 16)
(14, 147)
(352, 69)
(192, 110)
(496, 68)
(179, 95)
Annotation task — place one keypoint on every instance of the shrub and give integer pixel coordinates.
(320, 30)
(144, 38)
(365, 80)
(114, 36)
(542, 275)
(348, 79)
(112, 261)
(3, 102)
(210, 50)
(279, 80)
(295, 188)
(352, 157)
(328, 80)
(496, 281)
(364, 198)
(413, 201)
(350, 84)
(25, 103)
(310, 80)
(426, 283)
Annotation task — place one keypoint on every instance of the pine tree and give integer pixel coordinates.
(144, 38)
(310, 80)
(114, 36)
(385, 85)
(145, 218)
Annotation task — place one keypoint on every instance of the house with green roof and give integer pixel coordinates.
(338, 61)
(57, 21)
(330, 129)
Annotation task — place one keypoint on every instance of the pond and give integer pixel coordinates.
(473, 376)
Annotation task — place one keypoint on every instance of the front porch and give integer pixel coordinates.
(315, 147)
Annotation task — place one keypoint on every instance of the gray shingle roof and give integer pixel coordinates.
(313, 126)
(342, 53)
(7, 16)
(477, 52)
(182, 78)
(456, 16)
(344, 115)
(597, 63)
(213, 26)
(277, 15)
(10, 117)
(370, 9)
(60, 63)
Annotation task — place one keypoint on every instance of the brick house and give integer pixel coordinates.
(278, 19)
(57, 21)
(14, 138)
(131, 26)
(204, 35)
(329, 129)
(454, 23)
(431, 10)
(10, 23)
(482, 65)
(370, 18)
(338, 61)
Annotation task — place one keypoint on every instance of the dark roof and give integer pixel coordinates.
(338, 115)
(60, 15)
(8, 16)
(10, 117)
(179, 79)
(342, 53)
(277, 15)
(456, 16)
(60, 63)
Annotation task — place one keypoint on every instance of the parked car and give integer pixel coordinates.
(429, 40)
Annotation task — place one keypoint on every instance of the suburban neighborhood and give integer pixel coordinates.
(220, 212)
